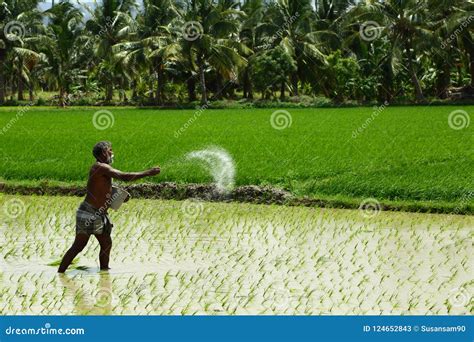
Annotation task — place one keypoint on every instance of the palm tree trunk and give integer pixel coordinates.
(202, 80)
(385, 92)
(134, 90)
(459, 75)
(294, 83)
(109, 92)
(471, 70)
(444, 80)
(411, 68)
(109, 88)
(30, 92)
(151, 85)
(219, 86)
(156, 92)
(191, 85)
(120, 90)
(61, 96)
(248, 91)
(2, 77)
(161, 84)
(2, 88)
(469, 47)
(123, 90)
(21, 87)
(282, 90)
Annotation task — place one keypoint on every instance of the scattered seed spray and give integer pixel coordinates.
(220, 164)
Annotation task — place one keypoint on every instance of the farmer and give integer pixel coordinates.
(91, 217)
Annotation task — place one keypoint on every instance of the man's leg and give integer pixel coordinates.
(105, 242)
(78, 245)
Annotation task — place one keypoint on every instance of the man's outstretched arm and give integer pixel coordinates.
(128, 176)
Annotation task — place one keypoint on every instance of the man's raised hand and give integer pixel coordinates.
(154, 171)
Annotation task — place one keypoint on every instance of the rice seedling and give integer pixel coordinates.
(238, 259)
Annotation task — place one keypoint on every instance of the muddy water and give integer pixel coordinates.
(190, 257)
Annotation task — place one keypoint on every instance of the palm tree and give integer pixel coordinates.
(251, 33)
(17, 20)
(442, 54)
(160, 39)
(60, 45)
(297, 34)
(404, 25)
(215, 44)
(25, 56)
(110, 23)
(458, 20)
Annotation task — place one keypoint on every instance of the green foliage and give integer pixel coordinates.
(353, 52)
(343, 76)
(272, 68)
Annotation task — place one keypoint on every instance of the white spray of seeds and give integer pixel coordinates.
(220, 165)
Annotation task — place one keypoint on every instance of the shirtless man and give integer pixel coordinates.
(91, 217)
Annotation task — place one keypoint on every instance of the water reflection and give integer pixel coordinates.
(95, 301)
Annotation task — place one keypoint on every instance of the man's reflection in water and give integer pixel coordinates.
(97, 301)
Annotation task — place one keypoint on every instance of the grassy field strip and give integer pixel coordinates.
(405, 154)
(191, 257)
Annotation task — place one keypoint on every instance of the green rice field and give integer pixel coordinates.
(390, 153)
(194, 257)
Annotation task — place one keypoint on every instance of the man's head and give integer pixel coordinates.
(102, 151)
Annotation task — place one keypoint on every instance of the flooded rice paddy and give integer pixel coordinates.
(192, 257)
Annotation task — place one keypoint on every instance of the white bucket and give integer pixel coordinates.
(118, 196)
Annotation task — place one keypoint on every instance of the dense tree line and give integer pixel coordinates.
(175, 51)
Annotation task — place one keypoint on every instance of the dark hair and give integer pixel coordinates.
(100, 148)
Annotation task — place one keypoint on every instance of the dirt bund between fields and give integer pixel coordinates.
(207, 192)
